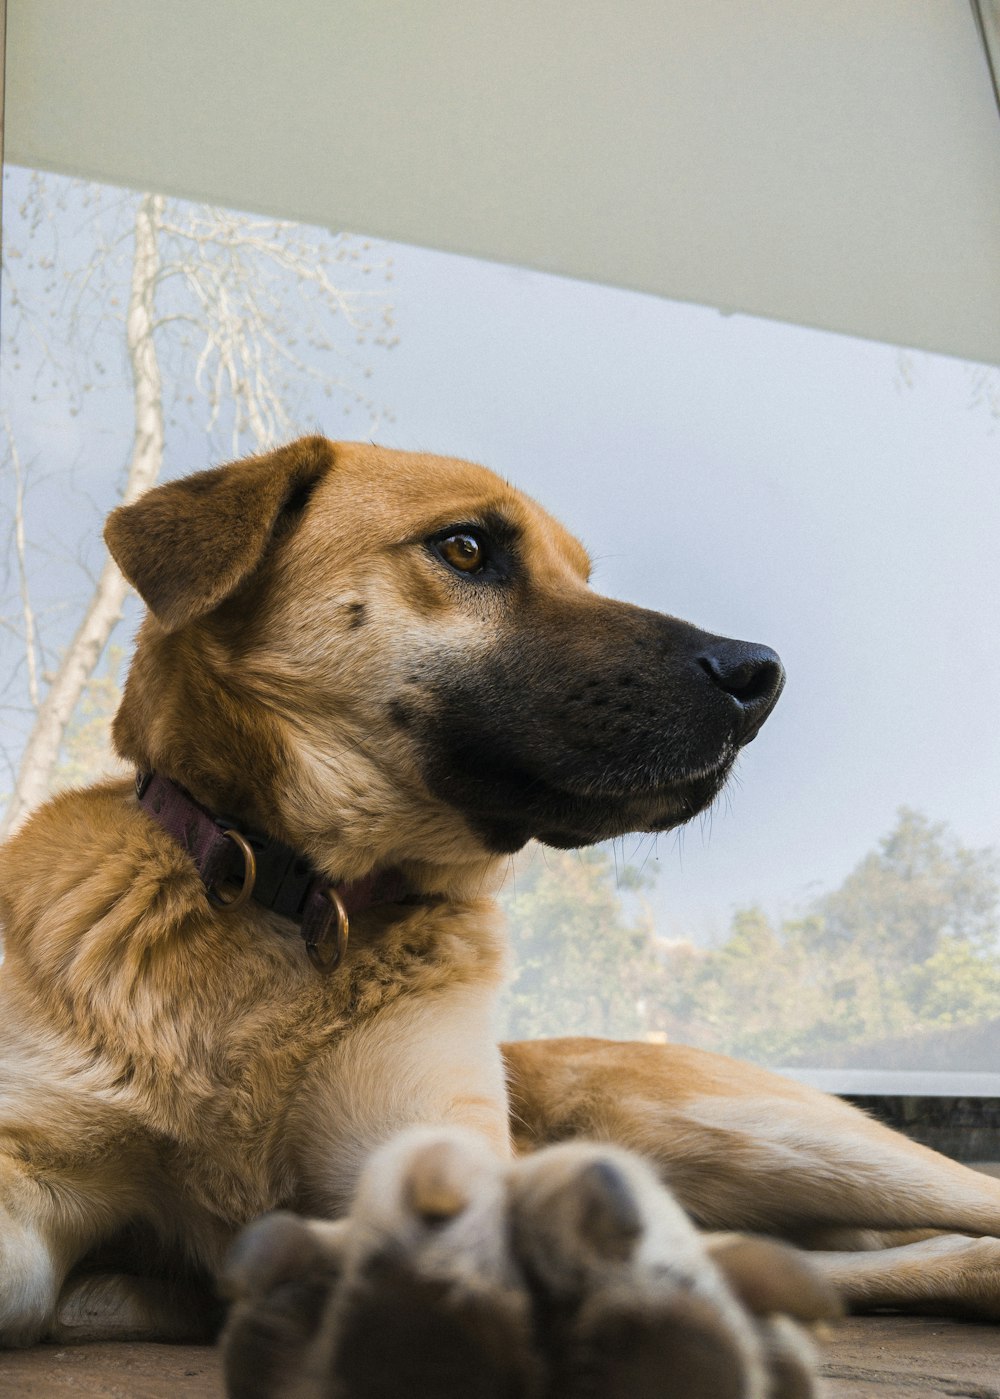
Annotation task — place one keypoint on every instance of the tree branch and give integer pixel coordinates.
(105, 609)
(27, 611)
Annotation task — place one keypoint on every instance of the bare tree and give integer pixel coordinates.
(104, 609)
(21, 555)
(224, 309)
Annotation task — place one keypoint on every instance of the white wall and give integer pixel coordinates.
(829, 162)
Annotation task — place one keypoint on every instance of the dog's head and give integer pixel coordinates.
(390, 652)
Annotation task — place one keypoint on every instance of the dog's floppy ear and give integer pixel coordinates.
(187, 546)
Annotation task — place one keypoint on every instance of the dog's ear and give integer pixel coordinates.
(187, 546)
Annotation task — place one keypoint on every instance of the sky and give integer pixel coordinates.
(834, 498)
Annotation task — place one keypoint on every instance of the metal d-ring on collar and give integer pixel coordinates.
(242, 896)
(327, 950)
(274, 875)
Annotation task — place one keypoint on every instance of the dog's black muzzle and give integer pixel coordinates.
(588, 720)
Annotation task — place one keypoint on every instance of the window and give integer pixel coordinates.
(835, 498)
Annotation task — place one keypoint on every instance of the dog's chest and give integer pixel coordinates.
(206, 1029)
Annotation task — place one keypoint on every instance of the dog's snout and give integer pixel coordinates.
(750, 674)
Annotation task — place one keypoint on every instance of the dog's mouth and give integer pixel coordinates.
(587, 822)
(508, 803)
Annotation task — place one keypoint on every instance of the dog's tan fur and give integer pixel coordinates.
(180, 1069)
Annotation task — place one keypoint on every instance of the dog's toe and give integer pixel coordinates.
(429, 1300)
(628, 1301)
(281, 1273)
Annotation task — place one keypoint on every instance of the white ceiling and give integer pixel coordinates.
(830, 162)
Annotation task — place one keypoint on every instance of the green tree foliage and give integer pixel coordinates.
(907, 944)
(918, 887)
(583, 963)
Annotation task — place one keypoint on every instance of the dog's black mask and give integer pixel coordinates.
(592, 719)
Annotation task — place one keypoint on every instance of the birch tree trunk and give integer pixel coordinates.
(21, 552)
(105, 608)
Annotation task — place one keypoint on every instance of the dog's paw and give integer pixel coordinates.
(417, 1291)
(631, 1300)
(569, 1275)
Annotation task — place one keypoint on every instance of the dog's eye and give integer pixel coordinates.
(464, 552)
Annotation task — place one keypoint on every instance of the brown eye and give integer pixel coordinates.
(463, 552)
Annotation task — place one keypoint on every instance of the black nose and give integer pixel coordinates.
(752, 675)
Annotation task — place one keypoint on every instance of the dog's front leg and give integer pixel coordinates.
(50, 1220)
(32, 1264)
(424, 1063)
(461, 1272)
(52, 1214)
(430, 1062)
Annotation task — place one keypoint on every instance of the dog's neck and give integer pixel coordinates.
(273, 874)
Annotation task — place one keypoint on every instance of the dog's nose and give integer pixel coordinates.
(751, 675)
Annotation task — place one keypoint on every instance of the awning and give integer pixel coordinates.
(834, 164)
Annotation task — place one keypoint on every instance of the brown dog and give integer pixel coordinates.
(365, 678)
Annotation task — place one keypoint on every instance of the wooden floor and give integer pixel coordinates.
(865, 1358)
(875, 1357)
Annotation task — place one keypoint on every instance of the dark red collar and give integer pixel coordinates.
(273, 874)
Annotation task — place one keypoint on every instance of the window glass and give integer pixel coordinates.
(834, 498)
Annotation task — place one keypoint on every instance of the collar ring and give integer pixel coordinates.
(242, 896)
(327, 951)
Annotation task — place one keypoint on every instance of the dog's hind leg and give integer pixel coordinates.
(743, 1148)
(948, 1275)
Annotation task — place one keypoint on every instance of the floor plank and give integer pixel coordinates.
(914, 1357)
(111, 1371)
(864, 1358)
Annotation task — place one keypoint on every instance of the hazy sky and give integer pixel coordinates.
(837, 499)
(834, 498)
